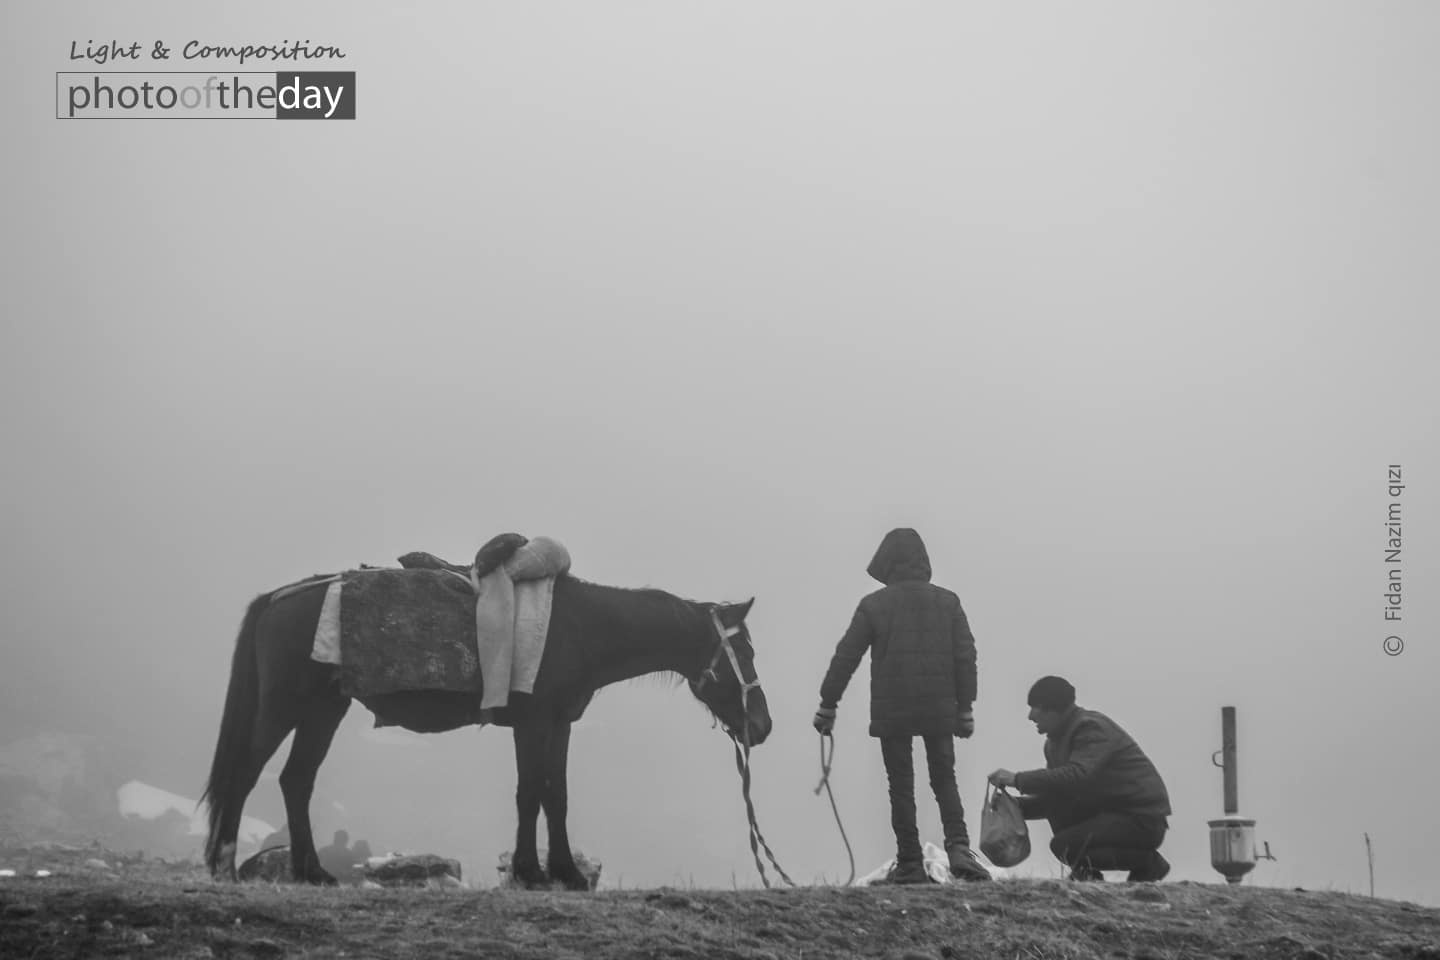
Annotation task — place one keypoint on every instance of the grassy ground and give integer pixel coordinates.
(98, 905)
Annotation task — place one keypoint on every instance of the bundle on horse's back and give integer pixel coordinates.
(407, 630)
(435, 627)
(420, 560)
(496, 551)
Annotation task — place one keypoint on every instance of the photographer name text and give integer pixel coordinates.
(1394, 594)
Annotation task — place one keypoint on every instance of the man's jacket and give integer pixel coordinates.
(1093, 765)
(922, 655)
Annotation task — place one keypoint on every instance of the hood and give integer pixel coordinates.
(901, 556)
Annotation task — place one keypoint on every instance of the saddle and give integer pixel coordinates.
(496, 551)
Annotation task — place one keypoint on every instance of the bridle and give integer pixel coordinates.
(724, 647)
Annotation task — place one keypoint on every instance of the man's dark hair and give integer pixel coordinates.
(1052, 693)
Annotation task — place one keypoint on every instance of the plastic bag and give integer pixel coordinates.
(937, 865)
(1004, 838)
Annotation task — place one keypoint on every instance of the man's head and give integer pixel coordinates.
(1050, 699)
(342, 838)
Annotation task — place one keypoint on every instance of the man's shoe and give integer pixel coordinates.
(964, 866)
(1153, 872)
(1086, 873)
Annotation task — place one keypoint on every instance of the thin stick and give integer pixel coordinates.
(1370, 858)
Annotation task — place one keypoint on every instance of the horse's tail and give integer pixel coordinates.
(232, 749)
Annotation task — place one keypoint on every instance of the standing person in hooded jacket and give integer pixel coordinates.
(922, 684)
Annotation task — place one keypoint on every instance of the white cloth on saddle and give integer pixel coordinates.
(512, 618)
(327, 628)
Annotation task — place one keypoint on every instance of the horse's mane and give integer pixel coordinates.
(685, 612)
(682, 607)
(567, 575)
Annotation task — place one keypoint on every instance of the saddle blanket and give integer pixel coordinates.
(391, 631)
(398, 630)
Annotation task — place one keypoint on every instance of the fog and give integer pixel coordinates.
(1128, 308)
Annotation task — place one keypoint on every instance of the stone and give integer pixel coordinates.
(416, 870)
(267, 866)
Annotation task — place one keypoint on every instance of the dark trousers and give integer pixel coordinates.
(900, 769)
(1105, 841)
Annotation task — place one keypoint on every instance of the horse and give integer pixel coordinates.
(598, 635)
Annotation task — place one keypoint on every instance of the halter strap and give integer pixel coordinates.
(724, 633)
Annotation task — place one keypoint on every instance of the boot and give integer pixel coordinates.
(964, 866)
(1152, 872)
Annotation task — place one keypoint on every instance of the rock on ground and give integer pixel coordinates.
(417, 870)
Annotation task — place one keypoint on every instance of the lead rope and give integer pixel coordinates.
(757, 839)
(826, 760)
(742, 760)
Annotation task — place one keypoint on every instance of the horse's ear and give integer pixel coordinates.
(734, 613)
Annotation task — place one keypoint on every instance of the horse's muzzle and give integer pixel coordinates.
(757, 719)
(759, 731)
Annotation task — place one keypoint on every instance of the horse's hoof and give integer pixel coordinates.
(531, 878)
(572, 878)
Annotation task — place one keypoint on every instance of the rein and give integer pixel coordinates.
(757, 840)
(742, 757)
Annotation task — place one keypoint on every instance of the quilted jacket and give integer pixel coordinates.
(922, 654)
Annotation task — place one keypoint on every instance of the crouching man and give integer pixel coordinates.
(1105, 801)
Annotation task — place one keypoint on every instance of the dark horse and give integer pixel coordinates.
(598, 635)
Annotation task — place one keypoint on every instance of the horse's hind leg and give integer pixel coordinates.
(313, 734)
(272, 726)
(561, 861)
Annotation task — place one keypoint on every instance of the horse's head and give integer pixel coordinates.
(728, 684)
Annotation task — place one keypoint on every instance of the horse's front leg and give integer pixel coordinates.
(530, 743)
(560, 862)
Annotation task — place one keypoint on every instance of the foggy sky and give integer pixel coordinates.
(1126, 307)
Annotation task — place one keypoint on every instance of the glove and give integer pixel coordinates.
(1003, 778)
(965, 724)
(824, 721)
